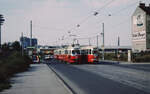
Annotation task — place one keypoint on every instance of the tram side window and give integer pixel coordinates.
(77, 51)
(89, 51)
(83, 52)
(59, 52)
(73, 52)
(62, 52)
(66, 52)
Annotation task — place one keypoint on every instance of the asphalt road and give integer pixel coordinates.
(143, 67)
(103, 78)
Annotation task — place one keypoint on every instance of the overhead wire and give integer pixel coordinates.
(79, 24)
(95, 14)
(48, 28)
(111, 14)
(118, 24)
(121, 10)
(106, 5)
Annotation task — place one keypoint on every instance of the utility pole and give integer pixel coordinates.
(1, 23)
(97, 41)
(0, 36)
(89, 41)
(118, 41)
(22, 43)
(77, 41)
(118, 55)
(103, 46)
(30, 33)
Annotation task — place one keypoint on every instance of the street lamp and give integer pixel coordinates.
(1, 23)
(103, 45)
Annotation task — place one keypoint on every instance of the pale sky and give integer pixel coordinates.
(52, 19)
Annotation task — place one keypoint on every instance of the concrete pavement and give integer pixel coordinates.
(40, 79)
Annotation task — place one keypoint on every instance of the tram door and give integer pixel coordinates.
(84, 58)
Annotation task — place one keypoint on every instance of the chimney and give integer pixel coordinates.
(142, 4)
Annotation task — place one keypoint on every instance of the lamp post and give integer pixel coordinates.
(1, 23)
(89, 41)
(118, 55)
(22, 43)
(31, 33)
(103, 45)
(97, 40)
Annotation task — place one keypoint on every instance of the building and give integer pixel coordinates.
(34, 42)
(141, 28)
(115, 49)
(26, 42)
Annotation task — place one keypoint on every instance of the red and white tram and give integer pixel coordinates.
(68, 54)
(90, 53)
(75, 54)
(72, 54)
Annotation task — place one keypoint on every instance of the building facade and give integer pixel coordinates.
(34, 42)
(141, 28)
(25, 41)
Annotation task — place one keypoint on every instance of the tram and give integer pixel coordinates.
(90, 53)
(68, 54)
(74, 54)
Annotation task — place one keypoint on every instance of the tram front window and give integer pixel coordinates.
(95, 52)
(75, 52)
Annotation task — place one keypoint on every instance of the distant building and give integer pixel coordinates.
(34, 42)
(141, 28)
(26, 42)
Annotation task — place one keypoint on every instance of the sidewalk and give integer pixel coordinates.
(38, 80)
